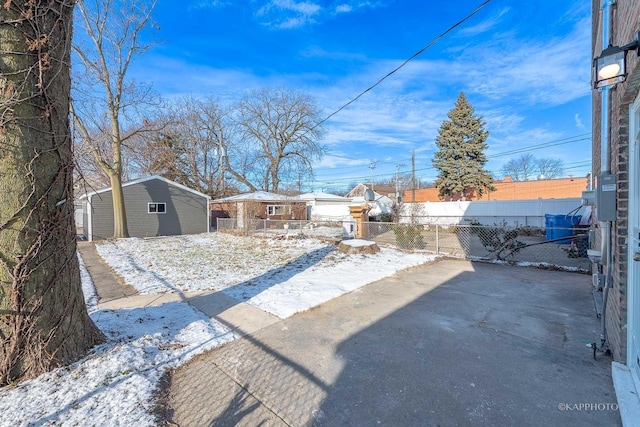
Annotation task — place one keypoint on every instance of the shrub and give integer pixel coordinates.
(408, 236)
(386, 217)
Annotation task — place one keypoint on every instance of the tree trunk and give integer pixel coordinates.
(43, 317)
(120, 228)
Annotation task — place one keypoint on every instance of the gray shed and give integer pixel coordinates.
(155, 206)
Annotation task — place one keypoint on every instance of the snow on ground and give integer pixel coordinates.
(88, 288)
(299, 287)
(540, 265)
(281, 276)
(114, 384)
(205, 261)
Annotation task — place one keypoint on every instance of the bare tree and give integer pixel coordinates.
(396, 211)
(108, 109)
(192, 148)
(89, 174)
(280, 139)
(521, 169)
(267, 141)
(527, 167)
(43, 318)
(550, 168)
(162, 154)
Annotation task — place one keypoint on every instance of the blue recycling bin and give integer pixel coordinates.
(558, 226)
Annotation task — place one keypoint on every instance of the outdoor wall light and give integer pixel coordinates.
(610, 66)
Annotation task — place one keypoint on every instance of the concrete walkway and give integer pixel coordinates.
(108, 286)
(448, 343)
(113, 294)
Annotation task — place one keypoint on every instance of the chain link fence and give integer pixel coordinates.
(330, 230)
(559, 247)
(547, 247)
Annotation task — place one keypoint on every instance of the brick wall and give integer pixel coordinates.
(506, 189)
(625, 23)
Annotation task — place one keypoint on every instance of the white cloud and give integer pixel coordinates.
(290, 14)
(353, 6)
(501, 120)
(208, 4)
(485, 25)
(338, 159)
(579, 123)
(316, 51)
(287, 14)
(508, 131)
(293, 23)
(305, 8)
(385, 120)
(539, 72)
(194, 79)
(343, 8)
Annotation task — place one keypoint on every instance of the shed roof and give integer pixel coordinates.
(141, 180)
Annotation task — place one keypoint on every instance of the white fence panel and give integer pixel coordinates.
(329, 212)
(515, 213)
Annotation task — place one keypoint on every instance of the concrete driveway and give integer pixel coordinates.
(448, 343)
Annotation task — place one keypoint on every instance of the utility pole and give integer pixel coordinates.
(413, 176)
(223, 163)
(397, 188)
(372, 166)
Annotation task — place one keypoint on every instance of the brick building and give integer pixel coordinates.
(507, 189)
(615, 152)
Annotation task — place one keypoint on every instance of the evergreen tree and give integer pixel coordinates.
(460, 158)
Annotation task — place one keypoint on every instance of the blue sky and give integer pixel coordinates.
(524, 65)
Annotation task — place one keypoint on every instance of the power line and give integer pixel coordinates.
(563, 141)
(418, 53)
(364, 178)
(553, 143)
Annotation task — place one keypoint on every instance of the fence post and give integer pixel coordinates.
(437, 239)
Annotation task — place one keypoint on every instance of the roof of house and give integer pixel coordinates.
(257, 196)
(319, 195)
(141, 180)
(358, 191)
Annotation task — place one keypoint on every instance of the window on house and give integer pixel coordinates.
(276, 210)
(157, 208)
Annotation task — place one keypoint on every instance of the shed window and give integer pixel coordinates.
(157, 208)
(275, 210)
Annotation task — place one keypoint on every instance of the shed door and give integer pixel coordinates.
(633, 277)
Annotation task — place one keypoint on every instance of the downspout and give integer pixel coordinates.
(605, 226)
(89, 218)
(208, 201)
